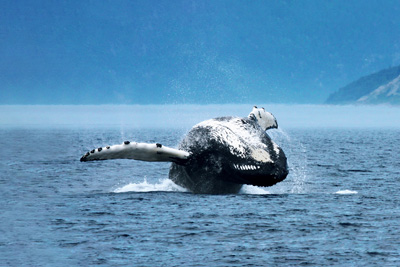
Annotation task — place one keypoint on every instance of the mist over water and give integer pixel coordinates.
(185, 116)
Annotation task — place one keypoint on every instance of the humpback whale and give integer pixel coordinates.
(217, 156)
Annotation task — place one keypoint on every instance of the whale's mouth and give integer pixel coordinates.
(246, 167)
(258, 173)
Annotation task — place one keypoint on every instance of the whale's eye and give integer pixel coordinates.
(255, 106)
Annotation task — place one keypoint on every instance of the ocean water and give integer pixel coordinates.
(339, 206)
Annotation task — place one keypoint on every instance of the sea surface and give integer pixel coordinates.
(339, 206)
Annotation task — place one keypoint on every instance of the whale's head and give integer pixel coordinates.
(234, 150)
(264, 118)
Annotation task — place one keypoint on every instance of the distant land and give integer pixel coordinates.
(382, 87)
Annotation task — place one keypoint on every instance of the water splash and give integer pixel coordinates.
(253, 190)
(296, 153)
(165, 185)
(346, 192)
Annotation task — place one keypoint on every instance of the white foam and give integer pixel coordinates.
(165, 185)
(346, 192)
(253, 190)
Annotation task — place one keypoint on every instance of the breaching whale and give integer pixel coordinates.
(217, 156)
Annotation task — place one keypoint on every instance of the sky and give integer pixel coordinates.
(191, 52)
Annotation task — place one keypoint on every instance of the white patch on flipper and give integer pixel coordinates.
(234, 134)
(137, 151)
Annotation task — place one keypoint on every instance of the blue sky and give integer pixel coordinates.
(204, 52)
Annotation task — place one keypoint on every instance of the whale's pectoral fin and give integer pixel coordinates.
(138, 151)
